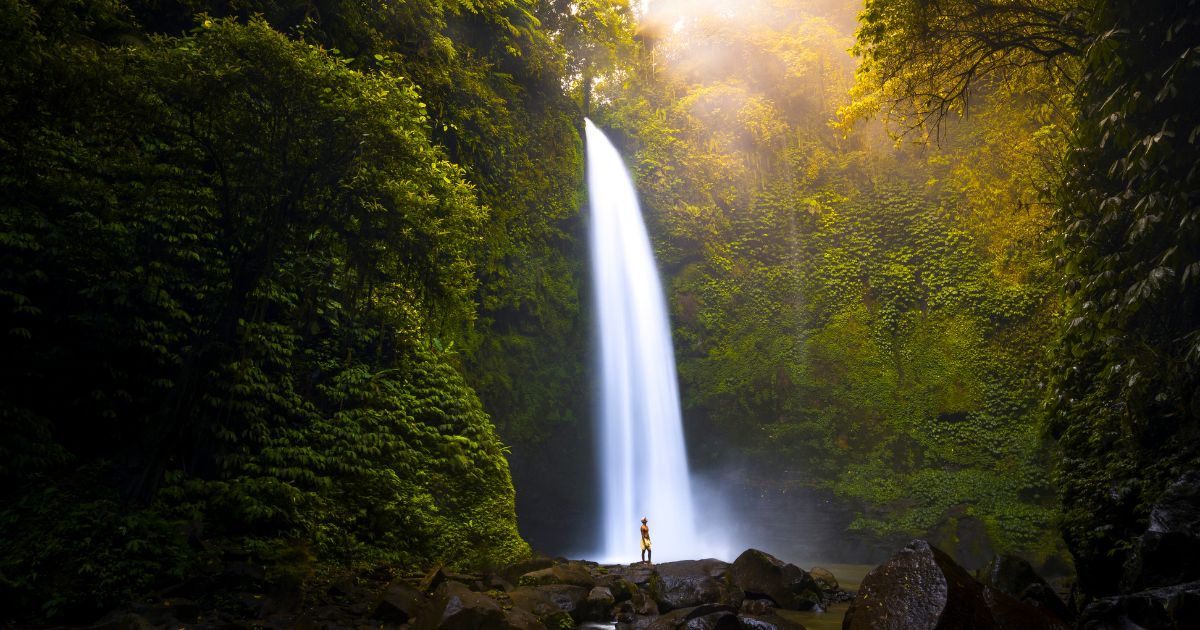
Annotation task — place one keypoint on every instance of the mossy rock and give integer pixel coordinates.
(571, 574)
(621, 588)
(560, 619)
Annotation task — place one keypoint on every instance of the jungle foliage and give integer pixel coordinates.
(260, 268)
(1122, 374)
(1125, 397)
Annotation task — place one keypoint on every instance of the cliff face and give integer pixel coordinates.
(1125, 407)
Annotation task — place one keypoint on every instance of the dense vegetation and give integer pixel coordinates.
(1122, 373)
(253, 283)
(1126, 388)
(278, 276)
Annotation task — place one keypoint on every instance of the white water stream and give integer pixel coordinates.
(643, 462)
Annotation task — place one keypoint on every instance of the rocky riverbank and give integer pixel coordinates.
(918, 587)
(755, 591)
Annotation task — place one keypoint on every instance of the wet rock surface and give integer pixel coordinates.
(1014, 576)
(761, 575)
(922, 587)
(694, 582)
(454, 606)
(1168, 553)
(1160, 586)
(548, 594)
(398, 603)
(1169, 607)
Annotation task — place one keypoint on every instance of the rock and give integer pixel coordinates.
(621, 588)
(757, 607)
(644, 604)
(706, 617)
(568, 598)
(1167, 608)
(432, 580)
(1010, 614)
(824, 579)
(560, 619)
(921, 587)
(759, 574)
(1166, 553)
(624, 613)
(918, 587)
(513, 572)
(453, 606)
(572, 574)
(598, 605)
(769, 621)
(638, 573)
(690, 583)
(497, 583)
(555, 605)
(1016, 577)
(520, 619)
(534, 600)
(398, 603)
(723, 620)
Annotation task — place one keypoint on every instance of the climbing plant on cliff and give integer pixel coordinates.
(234, 264)
(1123, 375)
(1125, 382)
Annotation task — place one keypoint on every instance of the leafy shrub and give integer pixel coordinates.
(73, 549)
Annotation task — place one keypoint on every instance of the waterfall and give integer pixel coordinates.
(643, 462)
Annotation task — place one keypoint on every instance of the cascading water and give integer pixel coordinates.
(643, 462)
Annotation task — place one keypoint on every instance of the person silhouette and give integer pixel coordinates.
(646, 553)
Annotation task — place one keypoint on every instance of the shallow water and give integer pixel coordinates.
(849, 576)
(831, 619)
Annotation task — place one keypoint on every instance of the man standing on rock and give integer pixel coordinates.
(646, 554)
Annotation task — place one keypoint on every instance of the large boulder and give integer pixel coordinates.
(398, 603)
(1014, 576)
(759, 574)
(922, 588)
(1165, 608)
(1166, 553)
(453, 606)
(690, 583)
